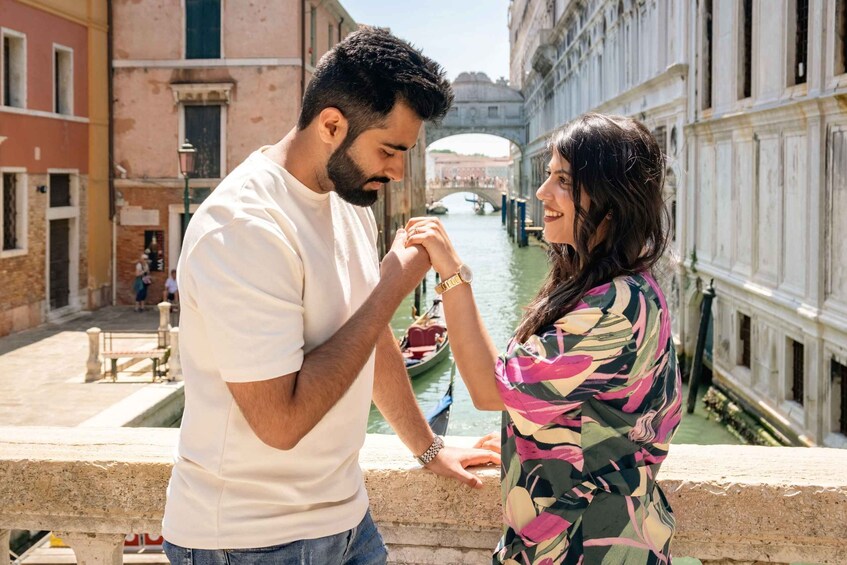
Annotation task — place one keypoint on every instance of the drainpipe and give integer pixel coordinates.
(340, 23)
(111, 150)
(302, 51)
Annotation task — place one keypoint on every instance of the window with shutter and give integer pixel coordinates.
(203, 131)
(202, 29)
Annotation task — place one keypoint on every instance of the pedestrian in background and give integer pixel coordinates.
(142, 281)
(171, 291)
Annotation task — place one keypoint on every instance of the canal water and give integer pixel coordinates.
(505, 279)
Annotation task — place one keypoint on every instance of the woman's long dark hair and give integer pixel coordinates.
(618, 164)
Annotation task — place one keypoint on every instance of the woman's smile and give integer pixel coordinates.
(551, 215)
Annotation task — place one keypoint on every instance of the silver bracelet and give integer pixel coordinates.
(431, 452)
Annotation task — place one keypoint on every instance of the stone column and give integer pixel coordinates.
(4, 546)
(94, 370)
(174, 364)
(95, 549)
(164, 321)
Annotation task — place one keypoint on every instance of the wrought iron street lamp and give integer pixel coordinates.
(186, 167)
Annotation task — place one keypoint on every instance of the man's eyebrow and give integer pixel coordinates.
(398, 147)
(561, 172)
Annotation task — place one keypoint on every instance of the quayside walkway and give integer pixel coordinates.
(732, 503)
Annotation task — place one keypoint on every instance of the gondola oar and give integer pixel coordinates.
(439, 416)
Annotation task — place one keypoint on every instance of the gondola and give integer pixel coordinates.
(437, 208)
(425, 343)
(439, 417)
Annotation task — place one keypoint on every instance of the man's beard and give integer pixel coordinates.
(350, 180)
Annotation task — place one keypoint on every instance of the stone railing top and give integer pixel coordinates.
(730, 502)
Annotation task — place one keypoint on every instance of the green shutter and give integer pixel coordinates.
(202, 29)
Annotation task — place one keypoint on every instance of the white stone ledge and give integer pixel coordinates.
(731, 502)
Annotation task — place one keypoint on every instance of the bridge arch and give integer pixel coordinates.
(492, 195)
(481, 105)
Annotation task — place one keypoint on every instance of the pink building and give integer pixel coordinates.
(54, 191)
(227, 76)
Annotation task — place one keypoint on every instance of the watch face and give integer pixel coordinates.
(466, 273)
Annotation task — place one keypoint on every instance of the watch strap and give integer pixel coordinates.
(447, 284)
(428, 455)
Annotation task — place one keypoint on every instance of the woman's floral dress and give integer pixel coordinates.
(592, 403)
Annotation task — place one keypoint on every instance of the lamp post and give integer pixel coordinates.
(186, 167)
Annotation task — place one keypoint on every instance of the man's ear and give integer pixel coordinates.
(332, 126)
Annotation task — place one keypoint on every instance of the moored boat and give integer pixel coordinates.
(438, 208)
(425, 343)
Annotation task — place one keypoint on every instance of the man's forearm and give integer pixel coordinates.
(394, 397)
(342, 357)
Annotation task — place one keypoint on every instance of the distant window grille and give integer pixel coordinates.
(60, 190)
(744, 338)
(797, 371)
(203, 131)
(493, 111)
(202, 29)
(801, 42)
(10, 211)
(839, 382)
(707, 54)
(746, 59)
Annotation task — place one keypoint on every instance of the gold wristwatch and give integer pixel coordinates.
(464, 276)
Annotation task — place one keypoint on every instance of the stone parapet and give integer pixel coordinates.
(736, 503)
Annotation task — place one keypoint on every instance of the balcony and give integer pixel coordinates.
(732, 503)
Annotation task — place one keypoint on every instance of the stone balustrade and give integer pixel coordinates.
(732, 503)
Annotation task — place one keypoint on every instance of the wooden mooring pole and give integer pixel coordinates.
(697, 369)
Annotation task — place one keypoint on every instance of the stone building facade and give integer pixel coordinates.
(747, 98)
(229, 80)
(54, 210)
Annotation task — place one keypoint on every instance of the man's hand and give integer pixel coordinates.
(452, 462)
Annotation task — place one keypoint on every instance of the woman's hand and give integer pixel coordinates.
(430, 233)
(490, 442)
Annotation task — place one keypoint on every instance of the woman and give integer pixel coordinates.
(589, 383)
(141, 282)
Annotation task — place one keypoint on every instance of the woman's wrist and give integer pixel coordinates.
(449, 269)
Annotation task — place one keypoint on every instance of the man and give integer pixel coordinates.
(284, 325)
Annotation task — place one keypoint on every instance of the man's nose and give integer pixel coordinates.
(397, 167)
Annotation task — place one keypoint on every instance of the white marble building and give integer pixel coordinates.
(749, 98)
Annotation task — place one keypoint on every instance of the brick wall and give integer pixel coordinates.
(23, 287)
(130, 239)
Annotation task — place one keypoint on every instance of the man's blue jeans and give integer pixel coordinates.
(362, 545)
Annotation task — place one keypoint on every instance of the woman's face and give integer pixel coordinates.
(557, 196)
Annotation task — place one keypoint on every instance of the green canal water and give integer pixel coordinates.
(505, 279)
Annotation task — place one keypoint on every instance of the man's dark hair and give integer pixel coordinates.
(367, 73)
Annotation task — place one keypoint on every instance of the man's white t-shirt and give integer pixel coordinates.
(269, 270)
